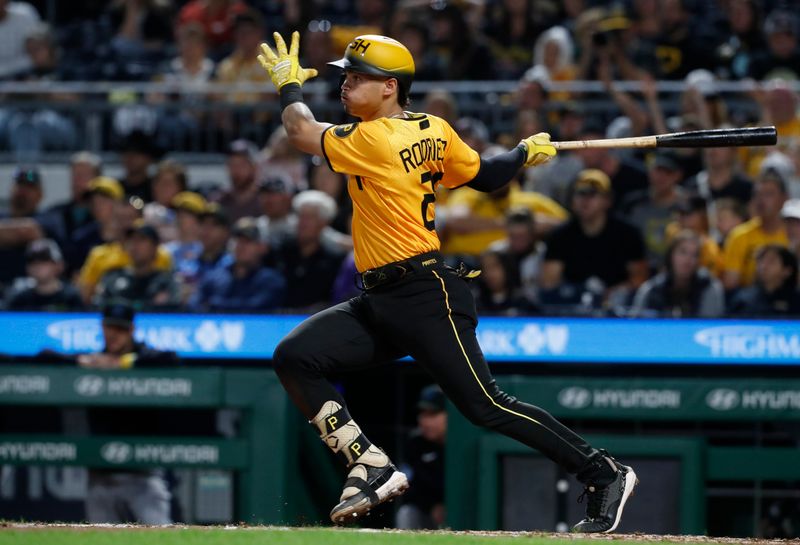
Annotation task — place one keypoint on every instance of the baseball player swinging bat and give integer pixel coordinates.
(714, 138)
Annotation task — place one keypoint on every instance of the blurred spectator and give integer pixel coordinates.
(531, 92)
(43, 289)
(116, 496)
(651, 210)
(684, 289)
(777, 103)
(593, 249)
(26, 193)
(682, 44)
(115, 217)
(63, 221)
(781, 59)
(241, 200)
(603, 35)
(693, 216)
(18, 225)
(141, 28)
(345, 286)
(463, 53)
(554, 51)
(29, 126)
(524, 251)
(766, 227)
(170, 179)
(242, 66)
(191, 71)
(17, 21)
(277, 221)
(553, 179)
(309, 266)
(215, 233)
(423, 505)
(791, 221)
(316, 52)
(138, 155)
(627, 175)
(728, 214)
(246, 284)
(441, 103)
(512, 30)
(495, 293)
(187, 248)
(140, 282)
(105, 197)
(279, 158)
(217, 19)
(721, 177)
(475, 219)
(334, 184)
(415, 35)
(783, 165)
(743, 38)
(774, 292)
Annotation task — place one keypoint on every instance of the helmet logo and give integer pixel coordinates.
(360, 44)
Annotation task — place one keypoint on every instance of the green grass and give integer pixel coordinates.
(252, 536)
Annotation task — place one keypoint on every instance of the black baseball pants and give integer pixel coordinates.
(429, 315)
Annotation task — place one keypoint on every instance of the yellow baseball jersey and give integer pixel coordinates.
(394, 166)
(743, 242)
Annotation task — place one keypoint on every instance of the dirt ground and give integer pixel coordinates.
(656, 538)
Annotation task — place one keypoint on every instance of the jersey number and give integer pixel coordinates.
(429, 198)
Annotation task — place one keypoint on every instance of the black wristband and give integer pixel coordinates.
(290, 93)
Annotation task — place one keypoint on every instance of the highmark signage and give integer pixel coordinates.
(580, 340)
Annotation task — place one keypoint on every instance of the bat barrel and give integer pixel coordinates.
(716, 138)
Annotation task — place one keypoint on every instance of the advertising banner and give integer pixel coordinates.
(528, 339)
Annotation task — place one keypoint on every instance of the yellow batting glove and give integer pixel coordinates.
(284, 67)
(538, 148)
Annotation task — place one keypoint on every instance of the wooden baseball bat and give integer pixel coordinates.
(714, 138)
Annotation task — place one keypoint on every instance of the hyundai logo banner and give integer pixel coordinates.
(502, 339)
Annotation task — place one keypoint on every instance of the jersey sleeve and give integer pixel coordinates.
(461, 162)
(357, 149)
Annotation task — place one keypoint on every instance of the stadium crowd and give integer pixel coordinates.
(706, 233)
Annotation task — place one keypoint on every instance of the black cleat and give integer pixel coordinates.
(365, 488)
(604, 505)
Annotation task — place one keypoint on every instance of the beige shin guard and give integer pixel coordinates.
(343, 436)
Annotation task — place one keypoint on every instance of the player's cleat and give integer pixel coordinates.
(366, 487)
(604, 505)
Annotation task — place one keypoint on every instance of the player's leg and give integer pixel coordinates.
(336, 339)
(449, 350)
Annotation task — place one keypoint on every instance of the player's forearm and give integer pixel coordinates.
(497, 171)
(302, 128)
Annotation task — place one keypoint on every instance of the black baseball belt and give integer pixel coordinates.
(393, 272)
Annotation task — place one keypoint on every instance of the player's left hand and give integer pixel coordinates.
(539, 149)
(284, 67)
